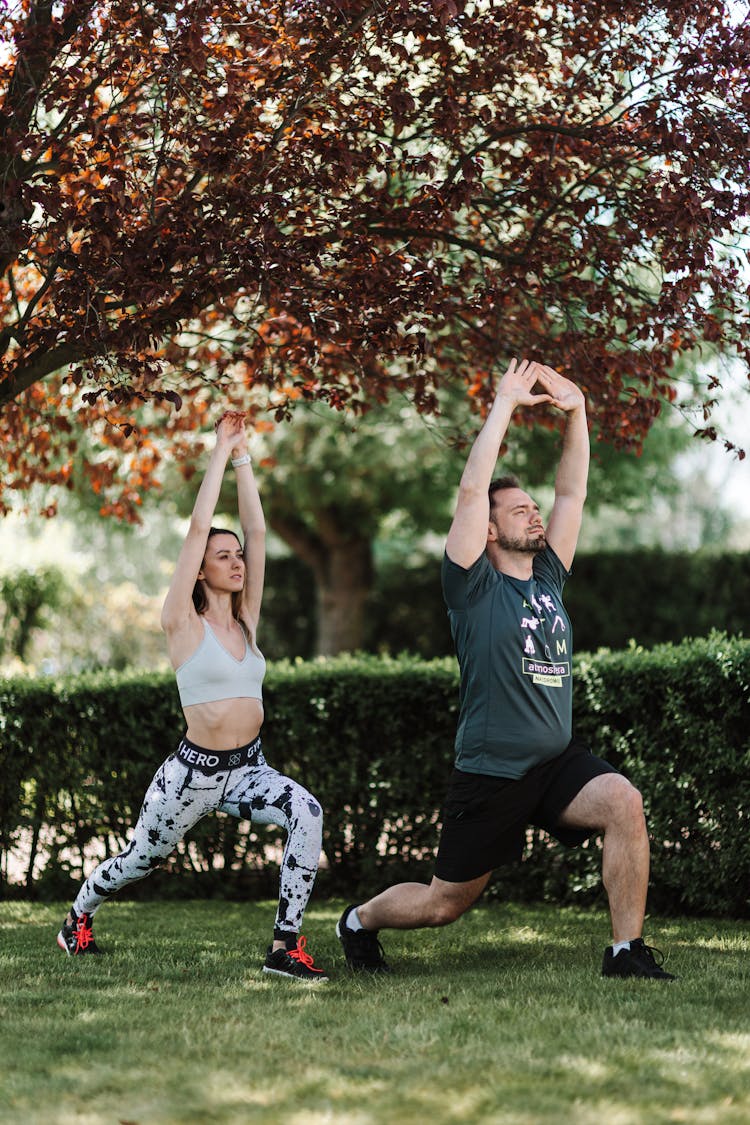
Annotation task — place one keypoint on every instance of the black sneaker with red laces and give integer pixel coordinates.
(77, 937)
(640, 960)
(295, 963)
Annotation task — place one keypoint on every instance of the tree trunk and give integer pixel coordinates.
(343, 570)
(343, 583)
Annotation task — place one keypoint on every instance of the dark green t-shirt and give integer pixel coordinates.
(514, 646)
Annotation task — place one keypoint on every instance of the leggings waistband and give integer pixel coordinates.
(213, 761)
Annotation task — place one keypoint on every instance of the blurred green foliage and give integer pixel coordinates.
(27, 597)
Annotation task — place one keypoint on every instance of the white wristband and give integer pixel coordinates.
(245, 459)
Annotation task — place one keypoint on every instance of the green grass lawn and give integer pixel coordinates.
(502, 1017)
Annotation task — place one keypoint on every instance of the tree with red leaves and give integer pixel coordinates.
(337, 201)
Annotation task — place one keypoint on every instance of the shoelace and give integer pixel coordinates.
(83, 933)
(654, 954)
(368, 947)
(299, 954)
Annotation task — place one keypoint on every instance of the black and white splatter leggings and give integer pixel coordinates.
(194, 782)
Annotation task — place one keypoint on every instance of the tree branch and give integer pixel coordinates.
(36, 53)
(156, 323)
(38, 44)
(432, 235)
(302, 541)
(45, 362)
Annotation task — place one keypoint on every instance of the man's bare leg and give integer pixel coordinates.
(406, 906)
(409, 906)
(610, 804)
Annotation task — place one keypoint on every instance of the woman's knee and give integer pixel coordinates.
(307, 811)
(305, 822)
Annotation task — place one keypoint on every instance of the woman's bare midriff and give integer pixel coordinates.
(224, 725)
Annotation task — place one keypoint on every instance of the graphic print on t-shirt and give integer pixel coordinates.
(514, 643)
(540, 621)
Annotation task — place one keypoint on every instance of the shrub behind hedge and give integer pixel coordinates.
(647, 595)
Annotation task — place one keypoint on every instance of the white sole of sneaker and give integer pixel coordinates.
(300, 980)
(61, 943)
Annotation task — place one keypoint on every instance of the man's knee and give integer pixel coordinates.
(443, 913)
(444, 910)
(627, 803)
(632, 800)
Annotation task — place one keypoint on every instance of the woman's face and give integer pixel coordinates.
(223, 567)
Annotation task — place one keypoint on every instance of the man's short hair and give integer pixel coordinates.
(508, 481)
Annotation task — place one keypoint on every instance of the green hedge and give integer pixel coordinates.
(372, 738)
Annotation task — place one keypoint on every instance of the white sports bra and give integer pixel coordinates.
(212, 673)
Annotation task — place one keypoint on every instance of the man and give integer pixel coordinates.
(517, 761)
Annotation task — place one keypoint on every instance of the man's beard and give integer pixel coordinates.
(529, 544)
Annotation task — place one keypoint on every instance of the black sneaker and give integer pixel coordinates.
(638, 961)
(294, 963)
(361, 947)
(77, 937)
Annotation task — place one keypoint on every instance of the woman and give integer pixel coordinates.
(210, 618)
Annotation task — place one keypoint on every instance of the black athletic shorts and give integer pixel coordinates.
(485, 818)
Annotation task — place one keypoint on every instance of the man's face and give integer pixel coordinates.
(515, 521)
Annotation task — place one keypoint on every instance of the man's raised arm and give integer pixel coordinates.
(572, 473)
(467, 537)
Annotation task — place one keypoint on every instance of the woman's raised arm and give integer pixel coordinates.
(178, 606)
(253, 526)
